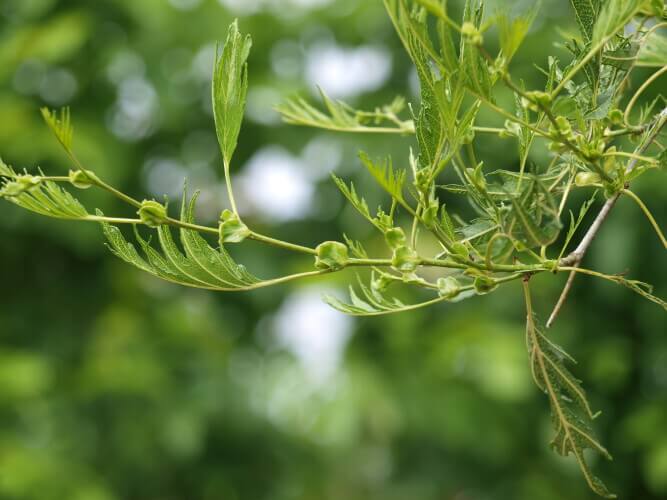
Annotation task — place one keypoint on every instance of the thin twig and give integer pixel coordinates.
(576, 256)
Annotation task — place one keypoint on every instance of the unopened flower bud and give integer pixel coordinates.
(232, 230)
(152, 213)
(331, 255)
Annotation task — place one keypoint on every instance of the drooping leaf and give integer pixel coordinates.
(230, 86)
(570, 410)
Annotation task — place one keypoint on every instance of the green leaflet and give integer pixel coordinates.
(574, 224)
(653, 51)
(383, 172)
(343, 118)
(586, 13)
(373, 302)
(614, 15)
(61, 126)
(42, 197)
(534, 218)
(230, 85)
(571, 413)
(382, 221)
(472, 63)
(512, 32)
(201, 266)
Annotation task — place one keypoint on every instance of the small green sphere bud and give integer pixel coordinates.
(152, 213)
(82, 179)
(540, 98)
(471, 33)
(460, 250)
(395, 237)
(583, 179)
(423, 180)
(449, 287)
(405, 259)
(564, 126)
(615, 116)
(232, 230)
(331, 255)
(484, 285)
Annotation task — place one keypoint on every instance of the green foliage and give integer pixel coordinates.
(230, 86)
(201, 266)
(509, 227)
(343, 118)
(570, 410)
(653, 52)
(614, 15)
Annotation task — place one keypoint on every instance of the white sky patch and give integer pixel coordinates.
(344, 72)
(274, 185)
(278, 185)
(134, 115)
(314, 332)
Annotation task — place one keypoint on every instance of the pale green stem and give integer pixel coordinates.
(640, 91)
(648, 214)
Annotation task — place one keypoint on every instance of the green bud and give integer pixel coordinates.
(381, 282)
(540, 98)
(469, 136)
(395, 237)
(232, 230)
(152, 213)
(405, 259)
(460, 249)
(476, 176)
(586, 179)
(331, 255)
(615, 116)
(564, 125)
(19, 185)
(448, 287)
(422, 180)
(82, 179)
(484, 285)
(471, 33)
(512, 129)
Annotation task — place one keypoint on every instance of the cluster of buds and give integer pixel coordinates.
(471, 33)
(536, 100)
(19, 185)
(404, 258)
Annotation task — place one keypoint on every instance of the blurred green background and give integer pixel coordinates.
(114, 385)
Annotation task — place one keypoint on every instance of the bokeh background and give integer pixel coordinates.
(114, 385)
